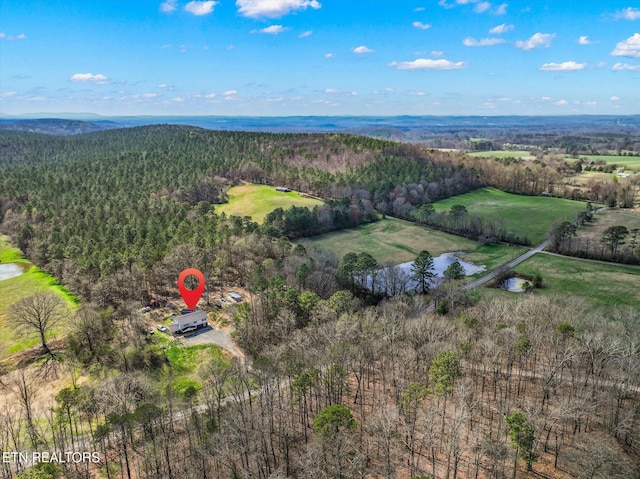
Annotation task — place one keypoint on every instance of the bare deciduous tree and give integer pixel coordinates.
(38, 314)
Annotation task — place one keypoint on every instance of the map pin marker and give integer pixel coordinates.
(191, 296)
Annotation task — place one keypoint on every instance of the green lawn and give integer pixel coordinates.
(184, 363)
(259, 200)
(532, 216)
(503, 154)
(393, 241)
(602, 284)
(13, 290)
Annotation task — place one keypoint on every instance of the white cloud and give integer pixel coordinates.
(502, 9)
(560, 102)
(536, 40)
(4, 36)
(271, 30)
(99, 79)
(210, 95)
(562, 67)
(503, 28)
(428, 64)
(584, 40)
(482, 7)
(628, 48)
(625, 66)
(168, 6)
(273, 8)
(178, 99)
(628, 14)
(615, 98)
(421, 26)
(419, 9)
(149, 95)
(230, 93)
(484, 42)
(36, 98)
(437, 53)
(545, 98)
(328, 55)
(200, 8)
(308, 33)
(601, 64)
(362, 49)
(331, 90)
(9, 93)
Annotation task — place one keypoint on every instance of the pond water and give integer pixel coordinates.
(11, 270)
(515, 285)
(397, 279)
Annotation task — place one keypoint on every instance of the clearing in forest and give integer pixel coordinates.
(601, 284)
(394, 241)
(16, 288)
(530, 216)
(258, 200)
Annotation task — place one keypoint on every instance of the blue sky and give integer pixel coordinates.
(320, 57)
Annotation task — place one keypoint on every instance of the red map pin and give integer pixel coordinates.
(191, 296)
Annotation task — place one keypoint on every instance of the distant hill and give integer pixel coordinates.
(55, 126)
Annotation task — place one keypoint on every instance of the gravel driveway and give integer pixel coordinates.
(211, 335)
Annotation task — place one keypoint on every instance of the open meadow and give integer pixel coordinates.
(259, 200)
(531, 216)
(525, 155)
(632, 162)
(14, 289)
(602, 285)
(394, 241)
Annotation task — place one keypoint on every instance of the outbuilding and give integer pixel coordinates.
(282, 189)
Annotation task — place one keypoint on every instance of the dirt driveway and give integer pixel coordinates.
(212, 335)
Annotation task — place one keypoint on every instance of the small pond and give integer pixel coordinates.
(11, 270)
(397, 279)
(515, 284)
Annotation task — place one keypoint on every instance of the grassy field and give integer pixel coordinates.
(393, 241)
(259, 200)
(602, 284)
(632, 162)
(13, 290)
(503, 154)
(532, 216)
(607, 218)
(184, 362)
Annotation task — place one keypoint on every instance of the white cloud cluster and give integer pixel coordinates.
(306, 34)
(362, 49)
(629, 47)
(428, 64)
(562, 67)
(168, 6)
(499, 29)
(273, 8)
(99, 79)
(536, 40)
(482, 7)
(629, 13)
(584, 40)
(625, 66)
(200, 8)
(421, 26)
(271, 30)
(484, 42)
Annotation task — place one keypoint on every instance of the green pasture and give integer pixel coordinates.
(259, 200)
(503, 154)
(13, 290)
(532, 216)
(393, 241)
(600, 283)
(632, 162)
(607, 218)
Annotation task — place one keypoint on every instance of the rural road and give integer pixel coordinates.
(506, 266)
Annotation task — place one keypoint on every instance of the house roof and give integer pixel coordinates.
(190, 318)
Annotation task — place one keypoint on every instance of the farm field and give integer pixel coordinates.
(14, 289)
(603, 285)
(531, 216)
(393, 241)
(607, 218)
(525, 155)
(259, 200)
(632, 162)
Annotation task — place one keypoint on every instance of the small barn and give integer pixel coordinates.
(197, 319)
